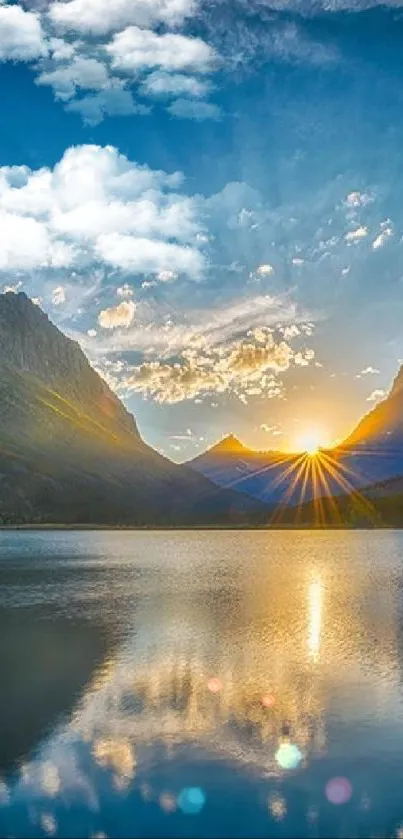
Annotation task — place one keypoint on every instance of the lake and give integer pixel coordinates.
(201, 684)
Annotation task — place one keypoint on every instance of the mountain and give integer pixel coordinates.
(372, 454)
(70, 452)
(264, 475)
(383, 426)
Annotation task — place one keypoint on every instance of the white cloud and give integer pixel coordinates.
(26, 244)
(97, 206)
(274, 430)
(358, 199)
(21, 34)
(92, 333)
(104, 73)
(368, 371)
(356, 235)
(130, 253)
(82, 72)
(160, 83)
(382, 238)
(118, 316)
(199, 111)
(137, 49)
(210, 351)
(13, 288)
(291, 331)
(264, 270)
(124, 291)
(58, 295)
(376, 395)
(239, 367)
(98, 17)
(167, 276)
(115, 100)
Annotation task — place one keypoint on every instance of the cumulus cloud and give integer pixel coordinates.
(81, 72)
(218, 356)
(21, 34)
(97, 77)
(137, 49)
(382, 237)
(96, 206)
(356, 235)
(239, 367)
(376, 395)
(98, 17)
(160, 83)
(121, 315)
(115, 100)
(27, 243)
(358, 199)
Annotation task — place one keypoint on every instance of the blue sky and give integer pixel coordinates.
(208, 197)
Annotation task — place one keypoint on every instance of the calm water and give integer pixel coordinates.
(201, 684)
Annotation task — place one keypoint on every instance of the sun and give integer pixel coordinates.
(310, 440)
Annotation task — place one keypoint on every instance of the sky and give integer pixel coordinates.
(207, 196)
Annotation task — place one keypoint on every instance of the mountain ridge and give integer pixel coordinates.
(70, 452)
(371, 454)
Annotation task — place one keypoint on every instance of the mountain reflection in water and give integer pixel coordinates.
(253, 671)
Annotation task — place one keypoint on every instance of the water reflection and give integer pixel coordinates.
(255, 692)
(315, 618)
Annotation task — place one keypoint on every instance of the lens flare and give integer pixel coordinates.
(288, 756)
(268, 700)
(214, 685)
(338, 791)
(191, 800)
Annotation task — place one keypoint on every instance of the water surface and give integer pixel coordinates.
(207, 684)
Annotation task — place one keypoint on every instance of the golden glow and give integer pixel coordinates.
(310, 440)
(315, 618)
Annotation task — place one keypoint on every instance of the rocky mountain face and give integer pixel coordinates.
(383, 426)
(70, 452)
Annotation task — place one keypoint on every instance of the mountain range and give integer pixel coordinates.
(70, 453)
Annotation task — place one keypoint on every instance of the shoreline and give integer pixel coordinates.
(181, 528)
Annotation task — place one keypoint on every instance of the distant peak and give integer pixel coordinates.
(230, 443)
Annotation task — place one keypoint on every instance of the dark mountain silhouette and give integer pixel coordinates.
(71, 453)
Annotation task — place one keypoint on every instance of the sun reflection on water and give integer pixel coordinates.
(315, 606)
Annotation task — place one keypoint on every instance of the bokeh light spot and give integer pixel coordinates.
(288, 756)
(191, 800)
(338, 791)
(167, 802)
(214, 685)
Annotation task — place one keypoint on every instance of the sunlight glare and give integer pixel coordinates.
(310, 441)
